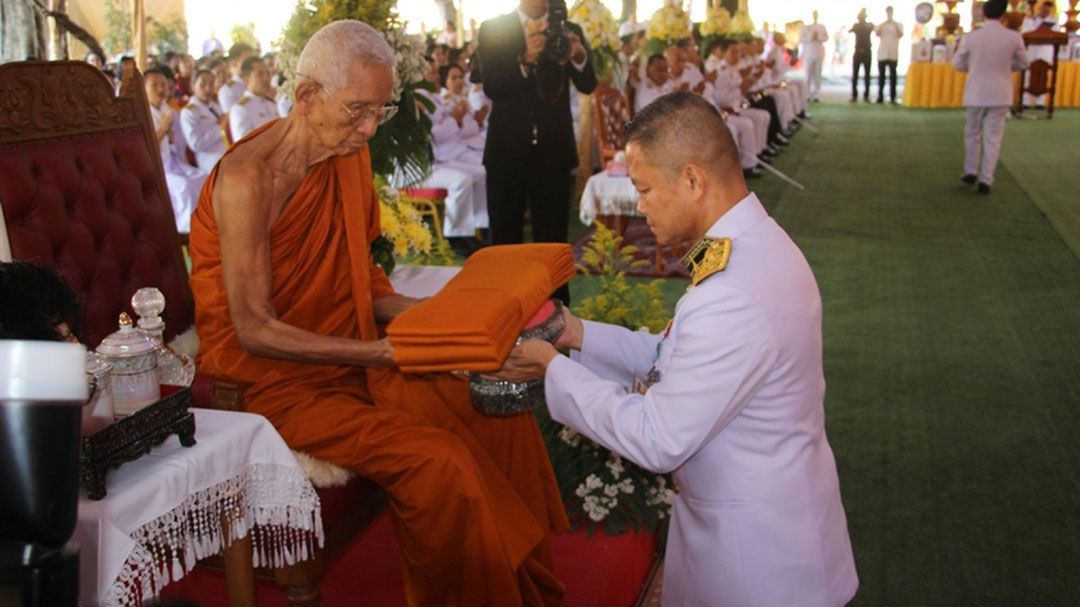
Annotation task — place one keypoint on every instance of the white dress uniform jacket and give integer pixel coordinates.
(201, 124)
(989, 55)
(648, 91)
(231, 92)
(183, 180)
(738, 416)
(251, 112)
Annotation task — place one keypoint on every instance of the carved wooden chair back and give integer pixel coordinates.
(612, 113)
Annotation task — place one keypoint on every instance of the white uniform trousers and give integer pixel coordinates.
(985, 129)
(785, 109)
(813, 76)
(465, 207)
(761, 127)
(742, 131)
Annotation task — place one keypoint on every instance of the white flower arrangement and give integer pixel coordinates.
(409, 62)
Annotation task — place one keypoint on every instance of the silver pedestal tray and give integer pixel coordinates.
(499, 397)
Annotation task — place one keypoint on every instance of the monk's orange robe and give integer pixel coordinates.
(473, 498)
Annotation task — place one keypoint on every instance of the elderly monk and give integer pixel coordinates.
(287, 305)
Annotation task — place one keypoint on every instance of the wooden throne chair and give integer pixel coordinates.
(82, 190)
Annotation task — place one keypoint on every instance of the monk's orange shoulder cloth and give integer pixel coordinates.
(312, 276)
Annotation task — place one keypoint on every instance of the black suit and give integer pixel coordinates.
(530, 149)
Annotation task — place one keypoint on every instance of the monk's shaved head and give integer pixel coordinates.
(682, 128)
(333, 50)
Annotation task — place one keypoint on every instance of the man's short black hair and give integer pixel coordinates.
(238, 49)
(248, 65)
(164, 70)
(34, 302)
(994, 9)
(681, 128)
(444, 72)
(653, 59)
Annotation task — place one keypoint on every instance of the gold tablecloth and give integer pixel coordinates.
(938, 85)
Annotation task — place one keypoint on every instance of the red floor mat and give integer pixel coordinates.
(599, 571)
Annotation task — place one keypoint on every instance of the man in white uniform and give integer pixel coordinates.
(730, 397)
(201, 122)
(232, 90)
(656, 84)
(989, 55)
(183, 180)
(889, 34)
(813, 40)
(257, 106)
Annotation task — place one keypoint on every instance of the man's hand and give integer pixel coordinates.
(700, 88)
(711, 76)
(527, 361)
(460, 110)
(534, 44)
(482, 114)
(573, 332)
(578, 54)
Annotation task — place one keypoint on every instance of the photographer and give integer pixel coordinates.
(529, 58)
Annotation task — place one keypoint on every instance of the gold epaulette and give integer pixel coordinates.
(243, 100)
(709, 256)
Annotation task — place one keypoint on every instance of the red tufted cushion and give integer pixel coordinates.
(89, 207)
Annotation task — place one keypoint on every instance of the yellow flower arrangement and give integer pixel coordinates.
(601, 34)
(741, 23)
(667, 26)
(717, 22)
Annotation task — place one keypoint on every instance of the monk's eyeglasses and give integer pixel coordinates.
(381, 115)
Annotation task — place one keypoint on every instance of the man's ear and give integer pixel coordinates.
(305, 92)
(694, 178)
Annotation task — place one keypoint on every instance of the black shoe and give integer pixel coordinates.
(752, 173)
(766, 158)
(982, 189)
(855, 99)
(866, 98)
(880, 101)
(968, 179)
(894, 102)
(774, 151)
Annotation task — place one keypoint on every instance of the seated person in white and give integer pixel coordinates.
(201, 122)
(764, 83)
(464, 182)
(473, 125)
(775, 61)
(232, 89)
(257, 106)
(730, 96)
(656, 84)
(183, 180)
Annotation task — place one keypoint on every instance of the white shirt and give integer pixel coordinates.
(727, 90)
(648, 91)
(737, 415)
(201, 125)
(230, 93)
(249, 113)
(889, 34)
(449, 140)
(813, 39)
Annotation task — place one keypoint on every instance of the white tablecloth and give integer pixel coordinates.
(164, 511)
(607, 195)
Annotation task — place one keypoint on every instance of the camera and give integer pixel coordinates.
(557, 45)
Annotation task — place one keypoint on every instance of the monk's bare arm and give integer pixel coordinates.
(243, 205)
(387, 308)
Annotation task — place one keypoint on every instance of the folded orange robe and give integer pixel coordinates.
(472, 324)
(473, 498)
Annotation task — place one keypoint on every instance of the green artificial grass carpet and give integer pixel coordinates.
(952, 349)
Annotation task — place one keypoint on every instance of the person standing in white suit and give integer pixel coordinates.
(813, 40)
(730, 398)
(183, 180)
(201, 122)
(989, 55)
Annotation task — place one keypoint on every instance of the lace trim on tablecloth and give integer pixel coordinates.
(276, 503)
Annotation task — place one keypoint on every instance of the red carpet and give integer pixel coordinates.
(599, 571)
(637, 233)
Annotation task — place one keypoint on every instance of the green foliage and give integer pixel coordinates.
(165, 36)
(245, 34)
(117, 39)
(619, 303)
(603, 490)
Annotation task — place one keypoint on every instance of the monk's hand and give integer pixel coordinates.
(528, 360)
(573, 332)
